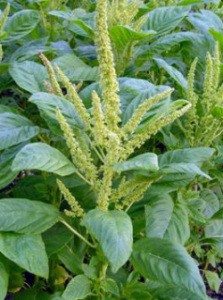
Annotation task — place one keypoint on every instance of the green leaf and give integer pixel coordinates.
(40, 156)
(75, 69)
(166, 220)
(26, 216)
(122, 36)
(165, 19)
(210, 203)
(27, 251)
(173, 72)
(187, 168)
(21, 24)
(113, 230)
(81, 28)
(71, 260)
(158, 214)
(29, 75)
(6, 174)
(48, 103)
(138, 91)
(4, 279)
(56, 238)
(110, 286)
(15, 129)
(186, 155)
(78, 288)
(205, 20)
(165, 43)
(170, 267)
(146, 161)
(214, 281)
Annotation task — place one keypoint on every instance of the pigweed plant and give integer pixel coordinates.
(109, 186)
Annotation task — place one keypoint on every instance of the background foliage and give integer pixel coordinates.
(101, 201)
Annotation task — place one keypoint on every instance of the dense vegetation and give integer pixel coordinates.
(111, 152)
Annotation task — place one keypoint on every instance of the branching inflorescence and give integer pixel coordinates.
(203, 123)
(111, 142)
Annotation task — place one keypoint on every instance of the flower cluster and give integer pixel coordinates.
(110, 142)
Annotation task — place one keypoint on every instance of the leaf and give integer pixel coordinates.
(187, 168)
(56, 238)
(26, 216)
(81, 28)
(173, 72)
(210, 203)
(186, 155)
(78, 288)
(4, 279)
(165, 43)
(21, 24)
(29, 75)
(214, 281)
(205, 20)
(47, 104)
(170, 267)
(6, 174)
(122, 36)
(113, 230)
(158, 214)
(15, 129)
(165, 19)
(71, 260)
(166, 220)
(40, 156)
(110, 286)
(75, 69)
(27, 251)
(136, 96)
(146, 161)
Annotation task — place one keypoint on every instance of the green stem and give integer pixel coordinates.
(77, 233)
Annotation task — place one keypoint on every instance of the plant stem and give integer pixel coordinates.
(77, 233)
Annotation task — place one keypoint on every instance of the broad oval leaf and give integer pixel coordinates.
(205, 20)
(27, 251)
(158, 214)
(48, 103)
(146, 161)
(165, 19)
(169, 266)
(26, 216)
(29, 75)
(15, 129)
(40, 156)
(113, 230)
(21, 24)
(78, 288)
(166, 220)
(122, 36)
(187, 155)
(75, 69)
